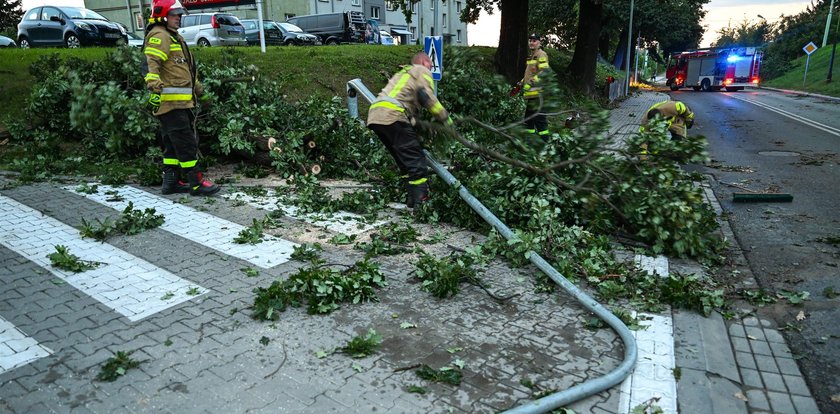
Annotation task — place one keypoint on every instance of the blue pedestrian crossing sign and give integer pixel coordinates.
(434, 48)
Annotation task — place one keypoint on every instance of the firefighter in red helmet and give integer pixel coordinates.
(174, 91)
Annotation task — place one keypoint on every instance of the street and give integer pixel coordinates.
(769, 141)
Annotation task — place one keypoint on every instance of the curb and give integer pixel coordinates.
(815, 95)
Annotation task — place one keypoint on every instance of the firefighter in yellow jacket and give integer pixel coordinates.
(391, 117)
(678, 115)
(171, 80)
(537, 63)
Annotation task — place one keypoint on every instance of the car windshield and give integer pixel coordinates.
(291, 28)
(133, 36)
(80, 13)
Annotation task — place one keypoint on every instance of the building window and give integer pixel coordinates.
(432, 5)
(391, 5)
(458, 6)
(414, 8)
(374, 13)
(413, 30)
(444, 20)
(357, 2)
(459, 36)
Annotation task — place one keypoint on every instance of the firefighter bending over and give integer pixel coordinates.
(678, 115)
(173, 88)
(537, 63)
(391, 115)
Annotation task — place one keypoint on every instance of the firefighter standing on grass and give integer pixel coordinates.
(537, 63)
(391, 117)
(171, 80)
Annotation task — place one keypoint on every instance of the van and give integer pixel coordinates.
(333, 28)
(212, 29)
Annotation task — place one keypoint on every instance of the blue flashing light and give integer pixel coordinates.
(733, 58)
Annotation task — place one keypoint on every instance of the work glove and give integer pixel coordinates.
(449, 121)
(206, 102)
(154, 100)
(689, 123)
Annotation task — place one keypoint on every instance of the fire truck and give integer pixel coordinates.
(715, 69)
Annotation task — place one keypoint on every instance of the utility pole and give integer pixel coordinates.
(636, 70)
(629, 41)
(828, 23)
(833, 49)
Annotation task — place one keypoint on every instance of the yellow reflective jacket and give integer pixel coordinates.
(409, 90)
(172, 71)
(535, 65)
(676, 113)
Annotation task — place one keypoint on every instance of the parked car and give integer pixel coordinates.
(134, 40)
(212, 29)
(333, 28)
(7, 42)
(293, 35)
(68, 26)
(386, 39)
(273, 35)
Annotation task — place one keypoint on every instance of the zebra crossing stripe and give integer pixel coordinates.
(17, 349)
(202, 228)
(125, 283)
(341, 222)
(653, 376)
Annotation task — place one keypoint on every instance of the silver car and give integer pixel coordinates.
(212, 29)
(6, 42)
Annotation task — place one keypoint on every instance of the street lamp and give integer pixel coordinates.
(828, 23)
(629, 41)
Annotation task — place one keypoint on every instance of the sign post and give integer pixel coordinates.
(433, 46)
(809, 48)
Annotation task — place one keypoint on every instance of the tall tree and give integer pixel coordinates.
(10, 14)
(513, 34)
(585, 59)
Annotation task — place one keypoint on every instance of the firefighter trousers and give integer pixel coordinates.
(401, 141)
(178, 136)
(535, 120)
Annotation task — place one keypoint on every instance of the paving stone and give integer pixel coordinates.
(757, 400)
(760, 348)
(737, 330)
(773, 382)
(804, 405)
(774, 336)
(780, 350)
(781, 403)
(740, 344)
(745, 360)
(766, 363)
(796, 385)
(755, 333)
(751, 378)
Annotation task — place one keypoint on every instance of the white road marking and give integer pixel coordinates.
(341, 222)
(17, 349)
(810, 122)
(202, 228)
(125, 283)
(653, 376)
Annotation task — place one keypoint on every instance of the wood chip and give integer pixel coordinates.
(800, 316)
(741, 396)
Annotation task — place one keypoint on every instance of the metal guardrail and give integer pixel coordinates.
(562, 398)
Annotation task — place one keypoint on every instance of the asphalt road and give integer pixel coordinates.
(774, 142)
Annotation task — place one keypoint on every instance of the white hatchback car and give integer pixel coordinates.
(212, 29)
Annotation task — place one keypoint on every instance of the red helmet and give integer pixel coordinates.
(162, 8)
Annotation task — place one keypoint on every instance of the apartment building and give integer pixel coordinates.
(425, 14)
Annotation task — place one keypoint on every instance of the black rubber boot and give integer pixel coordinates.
(200, 186)
(171, 183)
(418, 194)
(409, 199)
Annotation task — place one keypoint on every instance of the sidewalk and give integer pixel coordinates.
(178, 297)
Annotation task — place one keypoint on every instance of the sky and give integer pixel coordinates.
(720, 12)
